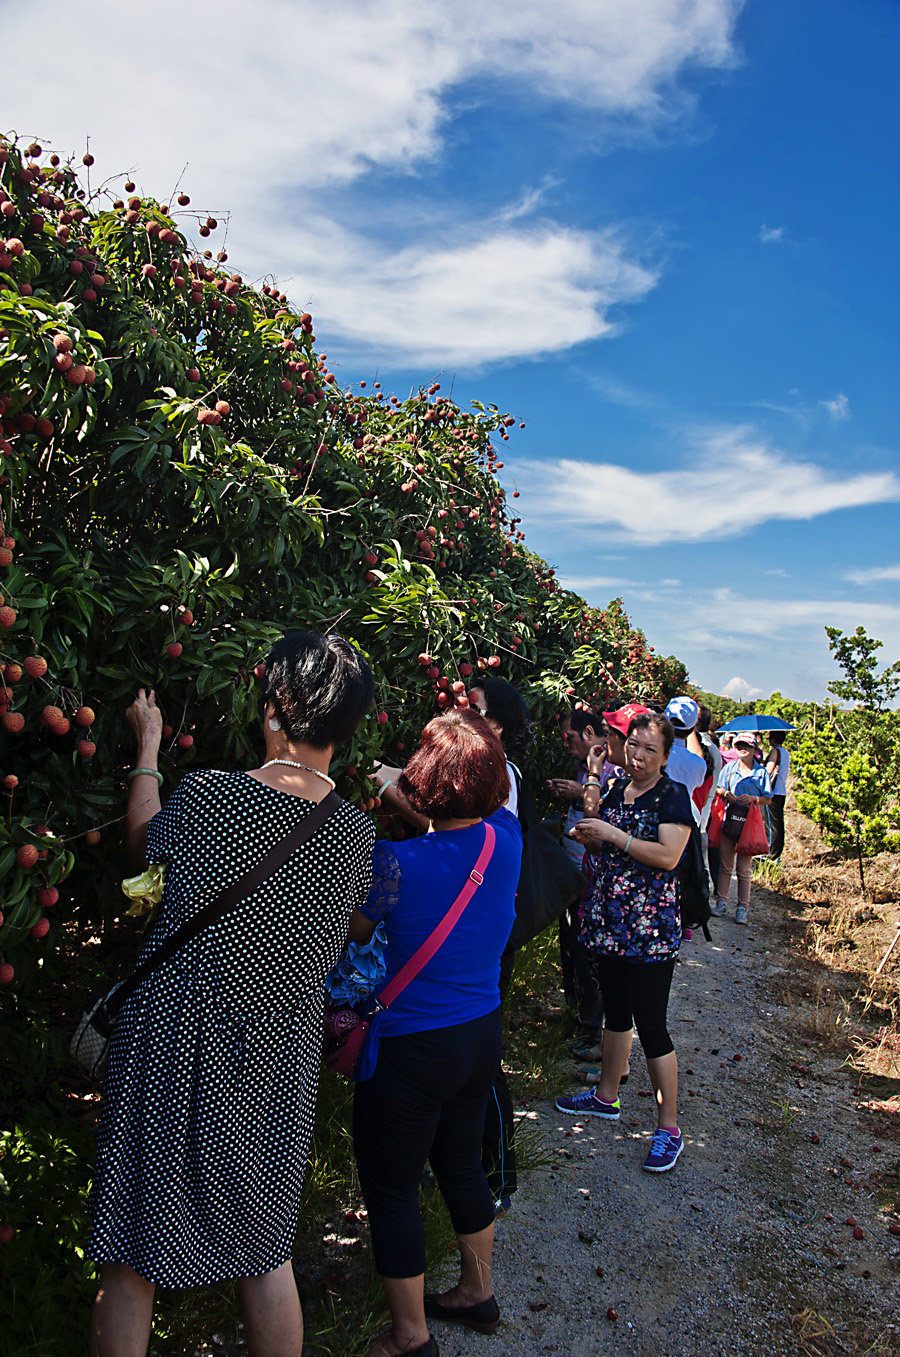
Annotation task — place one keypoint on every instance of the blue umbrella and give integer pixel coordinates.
(755, 721)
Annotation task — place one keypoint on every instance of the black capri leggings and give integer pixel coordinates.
(425, 1101)
(636, 994)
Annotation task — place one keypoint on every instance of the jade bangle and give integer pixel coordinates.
(146, 772)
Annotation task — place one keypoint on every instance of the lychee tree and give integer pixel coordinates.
(183, 479)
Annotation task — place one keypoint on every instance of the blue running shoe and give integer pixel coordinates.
(586, 1104)
(663, 1152)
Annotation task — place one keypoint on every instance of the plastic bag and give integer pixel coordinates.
(716, 816)
(754, 841)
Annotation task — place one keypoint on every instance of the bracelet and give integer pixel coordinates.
(146, 772)
(388, 782)
(592, 782)
(627, 843)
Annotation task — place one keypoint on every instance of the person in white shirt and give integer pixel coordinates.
(681, 765)
(778, 763)
(713, 755)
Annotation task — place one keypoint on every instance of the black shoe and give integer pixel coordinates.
(483, 1317)
(429, 1349)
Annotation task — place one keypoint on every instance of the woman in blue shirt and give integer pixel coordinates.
(431, 1058)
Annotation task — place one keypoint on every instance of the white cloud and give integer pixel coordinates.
(272, 109)
(739, 690)
(839, 408)
(583, 584)
(765, 617)
(733, 481)
(771, 235)
(877, 575)
(320, 93)
(512, 292)
(781, 642)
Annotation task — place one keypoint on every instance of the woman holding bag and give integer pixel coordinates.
(430, 1059)
(742, 783)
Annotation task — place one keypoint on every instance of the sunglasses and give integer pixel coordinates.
(744, 744)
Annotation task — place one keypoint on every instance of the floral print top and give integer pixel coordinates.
(632, 910)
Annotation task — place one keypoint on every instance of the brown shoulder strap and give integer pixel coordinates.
(227, 898)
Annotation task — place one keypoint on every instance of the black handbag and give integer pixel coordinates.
(735, 819)
(89, 1046)
(549, 881)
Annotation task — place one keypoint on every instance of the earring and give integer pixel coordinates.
(274, 723)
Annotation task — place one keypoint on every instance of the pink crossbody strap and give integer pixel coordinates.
(423, 954)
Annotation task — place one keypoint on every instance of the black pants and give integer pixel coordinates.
(714, 860)
(636, 994)
(425, 1102)
(498, 1146)
(578, 974)
(776, 826)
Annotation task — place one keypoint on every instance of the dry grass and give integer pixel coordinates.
(844, 934)
(815, 1337)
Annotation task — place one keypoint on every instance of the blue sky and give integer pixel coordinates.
(660, 232)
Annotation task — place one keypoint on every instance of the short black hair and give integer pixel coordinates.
(580, 719)
(655, 721)
(777, 737)
(507, 706)
(319, 687)
(704, 720)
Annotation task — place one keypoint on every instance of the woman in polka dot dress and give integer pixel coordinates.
(214, 1061)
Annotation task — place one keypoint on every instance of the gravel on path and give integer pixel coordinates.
(745, 1246)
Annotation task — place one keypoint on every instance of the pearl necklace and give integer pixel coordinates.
(292, 763)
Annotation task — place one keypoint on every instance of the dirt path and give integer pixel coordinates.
(743, 1247)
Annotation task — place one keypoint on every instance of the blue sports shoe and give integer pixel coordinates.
(663, 1152)
(586, 1104)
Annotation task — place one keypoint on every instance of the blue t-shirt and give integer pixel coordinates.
(414, 884)
(735, 779)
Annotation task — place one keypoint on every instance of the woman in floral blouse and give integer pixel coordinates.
(638, 830)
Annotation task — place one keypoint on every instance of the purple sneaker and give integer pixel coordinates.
(663, 1152)
(586, 1104)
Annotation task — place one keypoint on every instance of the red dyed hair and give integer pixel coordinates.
(459, 770)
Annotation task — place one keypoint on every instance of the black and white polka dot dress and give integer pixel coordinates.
(214, 1063)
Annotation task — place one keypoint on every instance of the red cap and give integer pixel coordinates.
(620, 720)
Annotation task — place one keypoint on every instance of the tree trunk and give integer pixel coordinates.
(859, 859)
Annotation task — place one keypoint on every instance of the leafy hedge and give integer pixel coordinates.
(183, 479)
